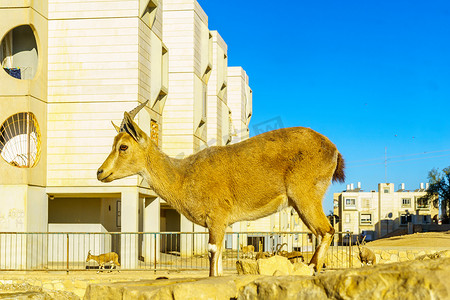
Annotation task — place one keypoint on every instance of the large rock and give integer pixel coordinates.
(190, 288)
(419, 279)
(302, 269)
(271, 265)
(246, 267)
(275, 265)
(408, 280)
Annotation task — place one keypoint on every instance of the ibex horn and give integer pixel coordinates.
(133, 114)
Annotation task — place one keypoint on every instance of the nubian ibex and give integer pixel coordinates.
(247, 251)
(221, 185)
(366, 255)
(102, 259)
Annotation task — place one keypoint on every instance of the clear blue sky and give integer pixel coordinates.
(369, 75)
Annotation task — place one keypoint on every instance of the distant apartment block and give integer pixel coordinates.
(379, 212)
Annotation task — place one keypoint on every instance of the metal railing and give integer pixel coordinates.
(156, 250)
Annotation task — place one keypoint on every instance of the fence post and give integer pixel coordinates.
(238, 246)
(350, 244)
(67, 253)
(155, 252)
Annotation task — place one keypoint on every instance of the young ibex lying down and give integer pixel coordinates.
(102, 259)
(219, 186)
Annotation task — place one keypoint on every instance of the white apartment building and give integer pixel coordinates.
(69, 68)
(376, 213)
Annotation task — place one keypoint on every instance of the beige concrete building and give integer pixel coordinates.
(379, 212)
(240, 103)
(69, 68)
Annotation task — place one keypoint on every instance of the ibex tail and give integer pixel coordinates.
(339, 174)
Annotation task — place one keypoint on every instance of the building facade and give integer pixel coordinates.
(71, 68)
(379, 212)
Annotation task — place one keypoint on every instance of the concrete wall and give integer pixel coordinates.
(103, 59)
(185, 33)
(79, 245)
(239, 100)
(84, 211)
(217, 109)
(25, 95)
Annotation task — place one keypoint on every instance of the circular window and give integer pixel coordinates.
(19, 53)
(20, 140)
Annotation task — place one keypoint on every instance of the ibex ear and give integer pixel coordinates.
(116, 127)
(132, 128)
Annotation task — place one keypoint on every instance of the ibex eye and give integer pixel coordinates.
(123, 147)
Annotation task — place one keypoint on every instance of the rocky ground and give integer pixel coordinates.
(421, 278)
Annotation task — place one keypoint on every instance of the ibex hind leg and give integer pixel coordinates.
(308, 204)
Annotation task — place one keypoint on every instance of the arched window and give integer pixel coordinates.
(19, 53)
(20, 140)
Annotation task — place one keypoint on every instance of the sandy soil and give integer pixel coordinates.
(427, 239)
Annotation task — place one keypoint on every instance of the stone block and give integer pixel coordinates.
(80, 284)
(378, 256)
(58, 286)
(246, 267)
(270, 265)
(79, 292)
(280, 273)
(445, 253)
(68, 284)
(300, 268)
(394, 258)
(385, 255)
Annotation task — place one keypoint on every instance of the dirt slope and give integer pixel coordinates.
(427, 239)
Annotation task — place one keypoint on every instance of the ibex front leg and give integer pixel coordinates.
(215, 251)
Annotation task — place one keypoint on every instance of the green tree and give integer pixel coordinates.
(440, 186)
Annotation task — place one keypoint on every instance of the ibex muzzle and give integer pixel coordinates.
(219, 186)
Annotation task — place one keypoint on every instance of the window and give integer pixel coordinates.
(405, 219)
(422, 203)
(18, 53)
(350, 203)
(406, 202)
(204, 101)
(20, 140)
(118, 213)
(366, 219)
(366, 203)
(386, 191)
